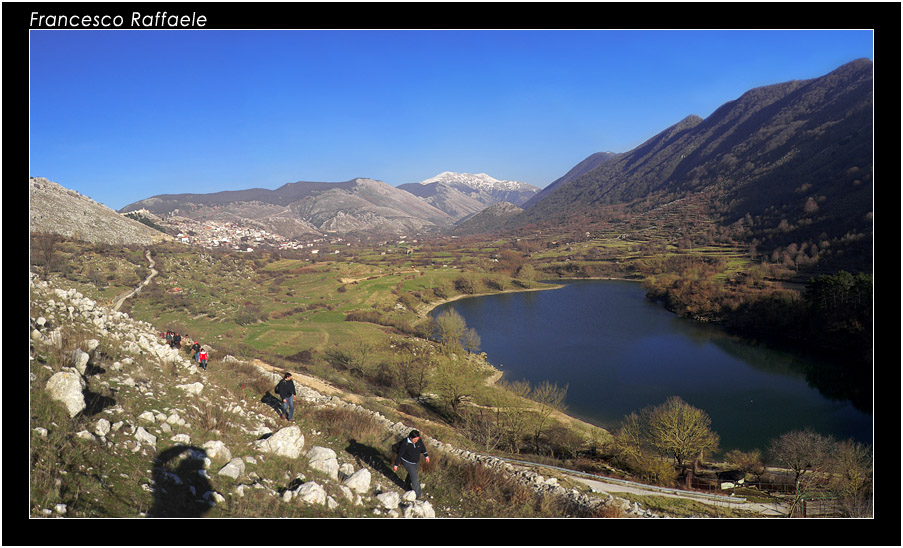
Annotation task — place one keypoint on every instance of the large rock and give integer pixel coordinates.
(311, 492)
(102, 427)
(216, 449)
(419, 509)
(288, 442)
(324, 459)
(184, 439)
(235, 468)
(389, 500)
(144, 436)
(359, 481)
(66, 387)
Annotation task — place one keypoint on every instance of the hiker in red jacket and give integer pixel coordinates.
(202, 358)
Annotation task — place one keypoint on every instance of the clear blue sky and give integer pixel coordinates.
(121, 115)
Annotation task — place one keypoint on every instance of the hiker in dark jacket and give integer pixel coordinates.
(286, 391)
(195, 351)
(409, 456)
(177, 341)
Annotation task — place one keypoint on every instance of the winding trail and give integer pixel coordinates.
(117, 302)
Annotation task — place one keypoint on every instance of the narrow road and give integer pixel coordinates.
(120, 299)
(614, 487)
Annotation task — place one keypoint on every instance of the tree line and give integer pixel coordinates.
(661, 443)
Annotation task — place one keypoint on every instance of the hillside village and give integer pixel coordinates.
(213, 234)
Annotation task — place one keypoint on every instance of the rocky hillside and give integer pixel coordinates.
(464, 194)
(590, 163)
(487, 221)
(146, 433)
(297, 209)
(55, 209)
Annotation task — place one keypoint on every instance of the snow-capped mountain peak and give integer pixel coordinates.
(478, 181)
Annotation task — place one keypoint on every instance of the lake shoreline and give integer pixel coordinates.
(791, 362)
(424, 311)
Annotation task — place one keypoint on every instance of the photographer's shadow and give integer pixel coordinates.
(181, 485)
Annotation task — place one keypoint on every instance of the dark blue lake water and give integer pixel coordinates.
(618, 352)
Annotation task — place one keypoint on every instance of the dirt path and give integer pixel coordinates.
(766, 510)
(311, 382)
(374, 276)
(121, 299)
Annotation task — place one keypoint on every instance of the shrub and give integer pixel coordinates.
(349, 424)
(465, 285)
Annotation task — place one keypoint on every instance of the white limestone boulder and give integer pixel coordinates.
(66, 387)
(216, 449)
(312, 493)
(324, 460)
(233, 469)
(358, 481)
(287, 442)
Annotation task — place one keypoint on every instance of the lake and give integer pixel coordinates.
(618, 352)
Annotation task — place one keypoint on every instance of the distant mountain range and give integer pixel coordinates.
(296, 209)
(359, 205)
(790, 162)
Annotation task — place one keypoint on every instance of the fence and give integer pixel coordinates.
(828, 507)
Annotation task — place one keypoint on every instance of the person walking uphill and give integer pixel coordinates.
(286, 391)
(409, 456)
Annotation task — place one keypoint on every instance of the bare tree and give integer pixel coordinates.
(45, 248)
(681, 431)
(452, 328)
(808, 455)
(747, 462)
(471, 340)
(851, 477)
(550, 398)
(674, 429)
(801, 451)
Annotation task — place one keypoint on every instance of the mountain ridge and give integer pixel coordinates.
(796, 154)
(360, 204)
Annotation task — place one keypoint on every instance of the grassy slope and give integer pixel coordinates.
(261, 306)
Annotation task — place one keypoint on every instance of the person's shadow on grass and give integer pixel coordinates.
(374, 458)
(181, 485)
